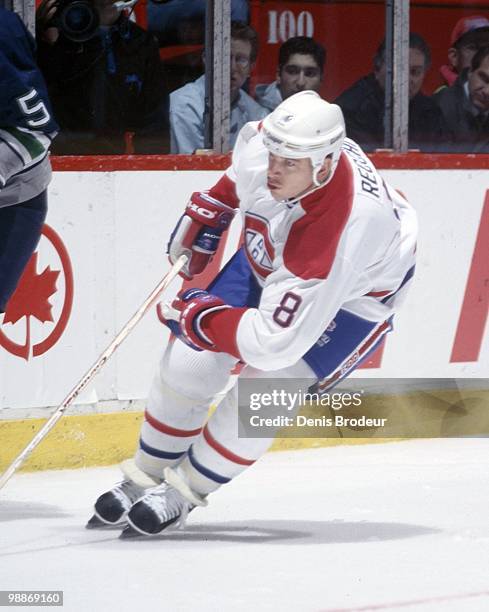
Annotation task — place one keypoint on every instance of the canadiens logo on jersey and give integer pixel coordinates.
(259, 246)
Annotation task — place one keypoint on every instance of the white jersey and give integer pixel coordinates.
(347, 245)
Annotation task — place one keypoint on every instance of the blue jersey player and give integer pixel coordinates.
(26, 131)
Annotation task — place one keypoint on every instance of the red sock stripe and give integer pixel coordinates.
(227, 454)
(171, 431)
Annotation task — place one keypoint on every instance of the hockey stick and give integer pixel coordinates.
(73, 394)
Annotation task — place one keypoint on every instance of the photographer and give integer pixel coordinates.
(105, 82)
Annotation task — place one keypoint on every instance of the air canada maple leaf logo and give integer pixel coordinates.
(38, 292)
(31, 298)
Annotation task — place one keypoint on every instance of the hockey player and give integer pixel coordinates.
(328, 245)
(26, 131)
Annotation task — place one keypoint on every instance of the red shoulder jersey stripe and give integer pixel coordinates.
(313, 239)
(225, 191)
(223, 451)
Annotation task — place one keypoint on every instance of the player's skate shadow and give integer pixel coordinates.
(294, 532)
(19, 511)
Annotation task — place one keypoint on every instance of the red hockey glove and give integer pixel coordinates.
(198, 232)
(184, 316)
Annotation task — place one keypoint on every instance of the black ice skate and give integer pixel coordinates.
(157, 510)
(112, 507)
(164, 505)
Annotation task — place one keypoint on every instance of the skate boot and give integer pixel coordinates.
(162, 506)
(112, 507)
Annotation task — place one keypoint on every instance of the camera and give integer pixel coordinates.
(78, 20)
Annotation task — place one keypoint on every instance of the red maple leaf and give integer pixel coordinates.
(31, 298)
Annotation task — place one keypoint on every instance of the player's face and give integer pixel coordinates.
(300, 73)
(479, 85)
(288, 178)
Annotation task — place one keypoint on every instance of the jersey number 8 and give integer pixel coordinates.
(285, 312)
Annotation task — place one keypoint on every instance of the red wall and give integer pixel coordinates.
(351, 33)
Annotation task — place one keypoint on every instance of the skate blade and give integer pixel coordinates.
(129, 533)
(96, 523)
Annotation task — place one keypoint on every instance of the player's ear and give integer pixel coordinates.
(325, 170)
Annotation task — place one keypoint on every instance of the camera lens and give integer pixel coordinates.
(79, 21)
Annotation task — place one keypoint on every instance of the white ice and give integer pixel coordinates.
(379, 527)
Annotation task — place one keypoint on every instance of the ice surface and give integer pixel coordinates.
(379, 527)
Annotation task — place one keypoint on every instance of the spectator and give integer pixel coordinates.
(469, 34)
(105, 87)
(187, 103)
(465, 106)
(301, 63)
(363, 103)
(26, 131)
(182, 21)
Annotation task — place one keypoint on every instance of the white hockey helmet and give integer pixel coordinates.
(305, 125)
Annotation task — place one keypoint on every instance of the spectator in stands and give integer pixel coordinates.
(465, 106)
(301, 63)
(363, 103)
(187, 103)
(106, 89)
(182, 21)
(469, 35)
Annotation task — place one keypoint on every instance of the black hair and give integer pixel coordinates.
(303, 45)
(415, 42)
